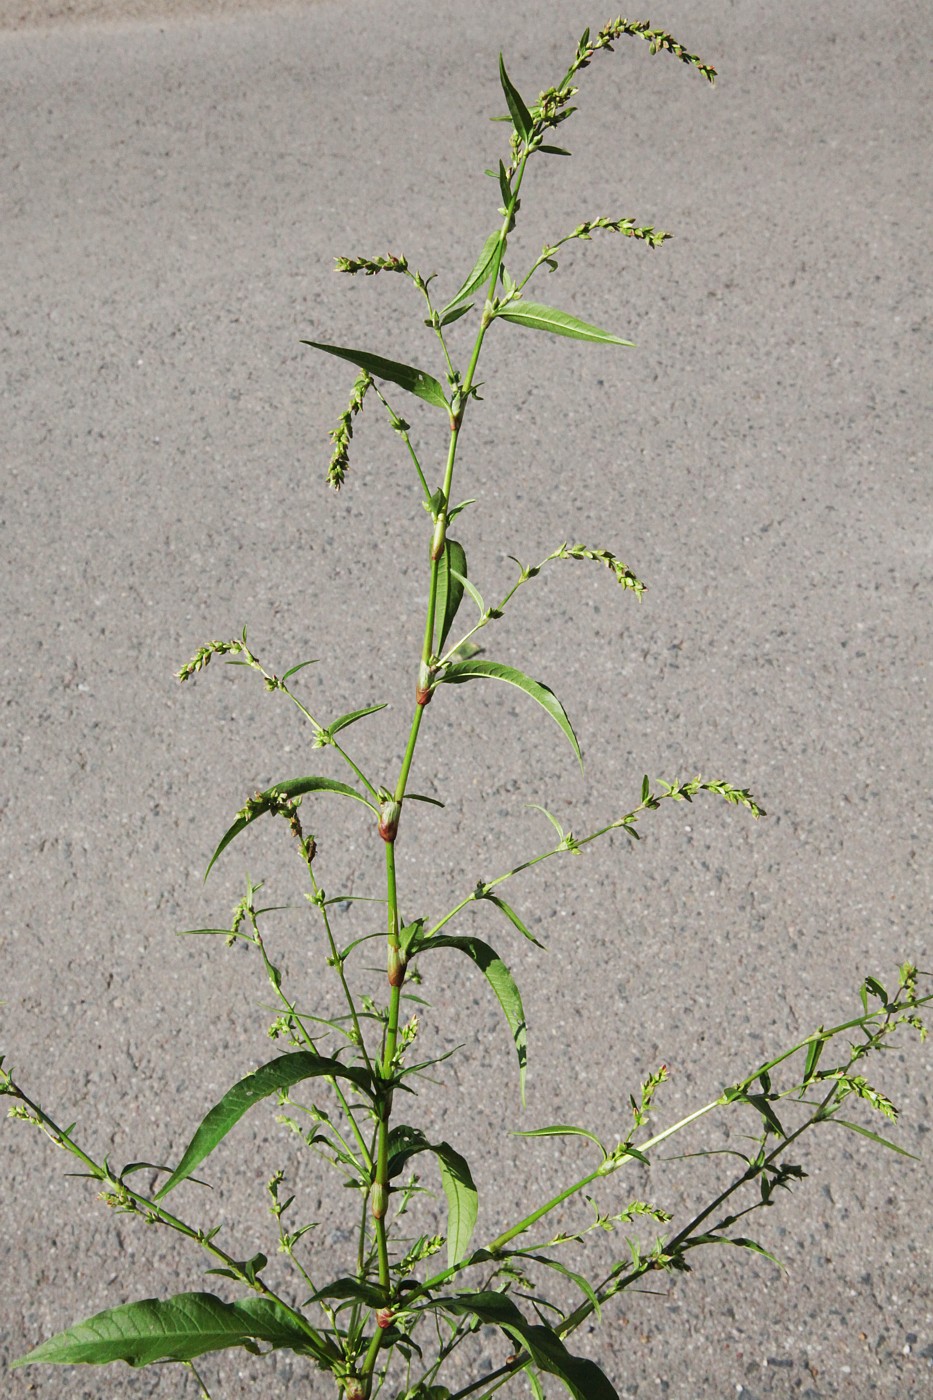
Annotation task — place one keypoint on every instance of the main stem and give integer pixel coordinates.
(389, 826)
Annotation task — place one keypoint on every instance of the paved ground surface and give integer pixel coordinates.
(174, 183)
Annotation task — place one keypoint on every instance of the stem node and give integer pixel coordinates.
(389, 814)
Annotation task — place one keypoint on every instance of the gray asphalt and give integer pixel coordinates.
(173, 193)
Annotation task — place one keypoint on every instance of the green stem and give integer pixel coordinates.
(318, 728)
(606, 1168)
(438, 541)
(337, 962)
(496, 268)
(306, 1033)
(396, 423)
(135, 1201)
(615, 1283)
(409, 754)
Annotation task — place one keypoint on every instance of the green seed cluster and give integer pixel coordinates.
(341, 435)
(202, 657)
(646, 232)
(658, 40)
(624, 575)
(371, 266)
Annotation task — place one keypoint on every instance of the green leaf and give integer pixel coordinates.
(451, 316)
(875, 1137)
(409, 933)
(300, 667)
(352, 1289)
(462, 1200)
(562, 1130)
(505, 189)
(465, 651)
(422, 797)
(406, 376)
(451, 570)
(294, 787)
(281, 1073)
(502, 983)
(193, 932)
(521, 117)
(352, 717)
(645, 788)
(171, 1329)
(481, 270)
(455, 510)
(551, 818)
(813, 1059)
(492, 670)
(585, 1287)
(473, 592)
(583, 1378)
(554, 150)
(772, 1122)
(510, 914)
(548, 318)
(738, 1242)
(456, 1178)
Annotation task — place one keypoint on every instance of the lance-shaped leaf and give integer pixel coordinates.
(406, 376)
(281, 1073)
(482, 269)
(875, 1137)
(171, 1329)
(513, 918)
(505, 188)
(352, 717)
(462, 671)
(548, 318)
(456, 1179)
(473, 592)
(738, 1242)
(584, 1285)
(293, 787)
(582, 1378)
(502, 983)
(521, 117)
(451, 571)
(562, 1130)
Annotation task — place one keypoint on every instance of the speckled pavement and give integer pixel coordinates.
(174, 183)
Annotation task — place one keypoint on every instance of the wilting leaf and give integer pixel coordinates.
(502, 983)
(492, 670)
